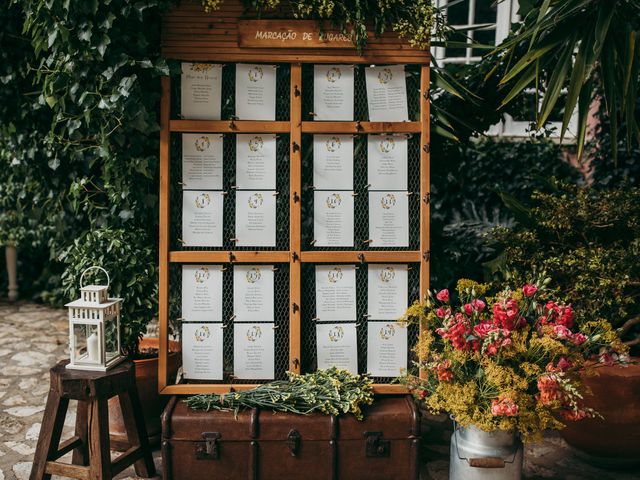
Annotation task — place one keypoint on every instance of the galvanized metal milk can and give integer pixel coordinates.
(479, 455)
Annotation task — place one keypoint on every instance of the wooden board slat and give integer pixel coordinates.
(425, 187)
(228, 126)
(370, 256)
(223, 256)
(165, 220)
(201, 388)
(361, 127)
(295, 219)
(229, 35)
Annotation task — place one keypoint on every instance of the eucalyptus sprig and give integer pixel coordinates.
(332, 392)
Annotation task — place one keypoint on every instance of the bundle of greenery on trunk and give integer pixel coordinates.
(331, 391)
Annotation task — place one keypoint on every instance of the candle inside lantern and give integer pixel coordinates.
(92, 348)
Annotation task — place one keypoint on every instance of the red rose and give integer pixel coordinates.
(468, 309)
(442, 312)
(443, 295)
(529, 290)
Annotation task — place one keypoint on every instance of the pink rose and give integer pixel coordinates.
(442, 312)
(443, 295)
(478, 304)
(562, 332)
(468, 309)
(578, 338)
(529, 290)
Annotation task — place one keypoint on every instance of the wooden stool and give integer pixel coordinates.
(90, 444)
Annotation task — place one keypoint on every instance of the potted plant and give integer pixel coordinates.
(127, 255)
(504, 368)
(588, 240)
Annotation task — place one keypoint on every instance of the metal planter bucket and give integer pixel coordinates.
(479, 455)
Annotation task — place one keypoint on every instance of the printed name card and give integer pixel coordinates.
(388, 288)
(255, 218)
(333, 162)
(337, 346)
(333, 218)
(201, 293)
(253, 351)
(386, 349)
(253, 293)
(389, 219)
(200, 91)
(202, 351)
(202, 218)
(387, 162)
(336, 292)
(387, 93)
(333, 92)
(255, 92)
(256, 162)
(202, 161)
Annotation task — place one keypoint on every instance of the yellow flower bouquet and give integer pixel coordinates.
(506, 362)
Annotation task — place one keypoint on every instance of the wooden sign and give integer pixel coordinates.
(289, 34)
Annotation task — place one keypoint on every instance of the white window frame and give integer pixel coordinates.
(506, 15)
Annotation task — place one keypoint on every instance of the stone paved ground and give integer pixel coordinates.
(33, 338)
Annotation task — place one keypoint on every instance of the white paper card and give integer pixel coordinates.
(333, 162)
(255, 92)
(333, 92)
(253, 351)
(336, 292)
(256, 162)
(201, 293)
(389, 219)
(333, 218)
(253, 293)
(386, 349)
(255, 218)
(201, 161)
(337, 346)
(202, 218)
(388, 291)
(387, 162)
(387, 94)
(200, 91)
(202, 351)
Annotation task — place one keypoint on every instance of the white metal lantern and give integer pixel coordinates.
(94, 327)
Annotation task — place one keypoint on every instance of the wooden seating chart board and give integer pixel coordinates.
(233, 35)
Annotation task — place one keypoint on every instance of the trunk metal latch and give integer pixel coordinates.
(376, 446)
(293, 442)
(210, 448)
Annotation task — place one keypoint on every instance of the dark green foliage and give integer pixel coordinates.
(574, 44)
(132, 265)
(467, 183)
(588, 241)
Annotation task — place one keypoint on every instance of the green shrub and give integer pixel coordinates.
(588, 241)
(131, 262)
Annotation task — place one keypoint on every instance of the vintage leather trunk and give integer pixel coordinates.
(265, 445)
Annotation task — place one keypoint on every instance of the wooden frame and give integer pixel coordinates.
(191, 35)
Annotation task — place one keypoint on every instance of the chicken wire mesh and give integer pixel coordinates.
(308, 341)
(229, 177)
(228, 92)
(281, 319)
(361, 219)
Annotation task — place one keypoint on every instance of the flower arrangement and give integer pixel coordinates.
(506, 362)
(332, 391)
